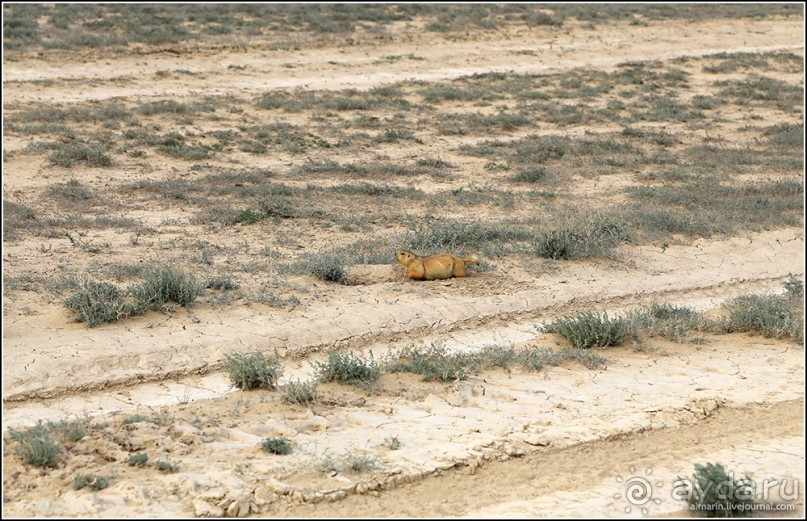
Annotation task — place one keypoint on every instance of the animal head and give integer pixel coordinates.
(404, 257)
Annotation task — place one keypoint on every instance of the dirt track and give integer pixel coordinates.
(497, 445)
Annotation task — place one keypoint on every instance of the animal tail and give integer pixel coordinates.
(474, 257)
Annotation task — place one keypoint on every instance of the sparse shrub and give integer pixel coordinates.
(434, 362)
(100, 483)
(395, 135)
(300, 393)
(591, 237)
(138, 459)
(95, 482)
(167, 467)
(278, 208)
(135, 418)
(222, 283)
(392, 443)
(174, 145)
(164, 283)
(786, 134)
(586, 357)
(588, 329)
(533, 18)
(67, 155)
(270, 298)
(531, 175)
(434, 163)
(36, 446)
(328, 266)
(71, 192)
(69, 430)
(252, 370)
(458, 236)
(535, 358)
(360, 462)
(346, 367)
(498, 356)
(706, 206)
(247, 216)
(173, 106)
(276, 445)
(794, 288)
(713, 492)
(668, 321)
(82, 480)
(96, 302)
(772, 316)
(16, 218)
(163, 418)
(349, 462)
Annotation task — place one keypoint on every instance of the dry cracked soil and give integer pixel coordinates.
(565, 441)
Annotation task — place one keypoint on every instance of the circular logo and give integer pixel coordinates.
(638, 491)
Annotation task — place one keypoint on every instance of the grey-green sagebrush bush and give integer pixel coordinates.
(772, 316)
(713, 492)
(95, 302)
(253, 370)
(347, 367)
(588, 329)
(36, 446)
(276, 445)
(590, 237)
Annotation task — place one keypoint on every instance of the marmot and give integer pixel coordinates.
(438, 266)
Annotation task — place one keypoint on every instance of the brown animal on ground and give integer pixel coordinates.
(438, 266)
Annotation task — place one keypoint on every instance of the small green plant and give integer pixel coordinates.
(773, 316)
(346, 367)
(587, 329)
(498, 356)
(591, 237)
(351, 462)
(96, 302)
(167, 467)
(589, 359)
(222, 283)
(668, 321)
(531, 175)
(392, 443)
(135, 418)
(138, 459)
(67, 154)
(270, 298)
(794, 287)
(328, 266)
(713, 492)
(100, 483)
(72, 431)
(535, 358)
(163, 283)
(300, 393)
(434, 362)
(163, 418)
(252, 370)
(94, 482)
(276, 446)
(360, 462)
(36, 446)
(82, 480)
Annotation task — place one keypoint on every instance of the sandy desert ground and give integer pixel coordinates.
(345, 138)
